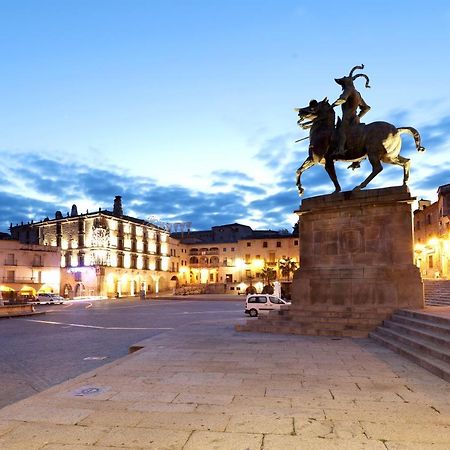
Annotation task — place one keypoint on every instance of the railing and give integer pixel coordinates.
(204, 265)
(19, 280)
(10, 262)
(203, 252)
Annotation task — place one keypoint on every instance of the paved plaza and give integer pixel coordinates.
(206, 386)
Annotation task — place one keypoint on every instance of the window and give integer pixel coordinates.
(10, 261)
(232, 249)
(211, 277)
(258, 256)
(265, 244)
(429, 219)
(249, 244)
(430, 261)
(37, 261)
(278, 244)
(296, 242)
(120, 260)
(257, 299)
(224, 249)
(247, 258)
(229, 277)
(10, 275)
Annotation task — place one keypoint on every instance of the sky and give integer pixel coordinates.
(186, 108)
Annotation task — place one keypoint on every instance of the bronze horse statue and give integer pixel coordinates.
(377, 141)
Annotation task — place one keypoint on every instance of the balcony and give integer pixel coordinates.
(28, 280)
(10, 262)
(203, 252)
(204, 265)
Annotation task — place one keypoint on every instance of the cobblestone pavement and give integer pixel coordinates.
(205, 386)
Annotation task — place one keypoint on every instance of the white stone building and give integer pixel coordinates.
(106, 253)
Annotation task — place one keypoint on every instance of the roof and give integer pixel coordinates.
(104, 212)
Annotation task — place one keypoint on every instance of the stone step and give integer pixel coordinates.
(426, 317)
(440, 339)
(305, 330)
(437, 292)
(433, 365)
(441, 328)
(419, 345)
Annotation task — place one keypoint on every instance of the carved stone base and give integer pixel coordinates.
(356, 253)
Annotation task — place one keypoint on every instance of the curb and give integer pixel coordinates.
(10, 316)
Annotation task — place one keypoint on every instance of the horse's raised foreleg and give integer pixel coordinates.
(309, 162)
(376, 169)
(331, 170)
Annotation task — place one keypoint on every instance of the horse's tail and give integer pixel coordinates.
(415, 134)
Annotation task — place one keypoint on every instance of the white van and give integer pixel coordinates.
(260, 303)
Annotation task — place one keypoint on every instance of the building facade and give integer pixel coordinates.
(106, 253)
(26, 269)
(234, 256)
(432, 236)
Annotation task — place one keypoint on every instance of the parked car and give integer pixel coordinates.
(46, 298)
(261, 303)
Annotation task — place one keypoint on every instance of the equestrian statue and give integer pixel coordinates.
(348, 139)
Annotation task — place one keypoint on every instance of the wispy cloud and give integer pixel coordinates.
(34, 186)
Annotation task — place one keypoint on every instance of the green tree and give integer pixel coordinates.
(268, 274)
(287, 266)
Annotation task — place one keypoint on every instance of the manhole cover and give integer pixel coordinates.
(89, 390)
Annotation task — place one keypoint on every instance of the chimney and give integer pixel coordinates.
(74, 211)
(117, 209)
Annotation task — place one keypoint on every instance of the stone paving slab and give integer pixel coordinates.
(209, 387)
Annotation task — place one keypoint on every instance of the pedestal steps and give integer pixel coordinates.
(315, 322)
(437, 292)
(422, 338)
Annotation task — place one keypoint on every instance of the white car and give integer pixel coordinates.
(48, 299)
(261, 303)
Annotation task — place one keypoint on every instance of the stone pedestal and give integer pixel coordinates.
(356, 265)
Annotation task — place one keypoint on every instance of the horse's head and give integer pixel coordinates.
(314, 111)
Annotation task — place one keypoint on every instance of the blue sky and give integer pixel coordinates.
(185, 108)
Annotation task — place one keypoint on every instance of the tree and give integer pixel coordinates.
(287, 266)
(268, 274)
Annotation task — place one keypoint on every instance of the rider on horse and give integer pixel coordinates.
(350, 100)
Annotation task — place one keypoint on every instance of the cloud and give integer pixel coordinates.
(35, 186)
(142, 197)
